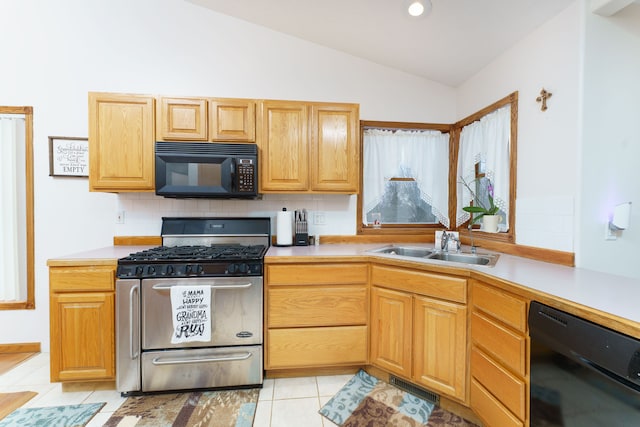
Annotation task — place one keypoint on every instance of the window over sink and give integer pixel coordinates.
(405, 189)
(404, 168)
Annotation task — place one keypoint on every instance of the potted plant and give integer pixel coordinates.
(481, 210)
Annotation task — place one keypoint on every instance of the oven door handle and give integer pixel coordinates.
(133, 303)
(184, 360)
(212, 286)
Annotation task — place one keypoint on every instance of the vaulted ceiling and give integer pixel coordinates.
(449, 45)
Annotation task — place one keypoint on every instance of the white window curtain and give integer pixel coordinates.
(11, 146)
(421, 155)
(486, 141)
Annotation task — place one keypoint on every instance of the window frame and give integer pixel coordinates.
(454, 142)
(508, 236)
(395, 228)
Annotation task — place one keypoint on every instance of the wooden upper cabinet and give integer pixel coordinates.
(182, 119)
(121, 142)
(284, 142)
(206, 119)
(232, 120)
(335, 148)
(308, 147)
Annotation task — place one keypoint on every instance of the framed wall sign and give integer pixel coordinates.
(68, 156)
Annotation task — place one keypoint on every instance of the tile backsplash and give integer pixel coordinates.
(143, 212)
(546, 222)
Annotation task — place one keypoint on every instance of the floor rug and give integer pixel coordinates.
(53, 416)
(367, 401)
(9, 402)
(227, 408)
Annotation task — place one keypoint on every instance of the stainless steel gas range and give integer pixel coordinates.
(189, 312)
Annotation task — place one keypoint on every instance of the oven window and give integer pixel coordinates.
(194, 174)
(567, 393)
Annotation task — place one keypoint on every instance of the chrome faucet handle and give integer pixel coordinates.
(444, 241)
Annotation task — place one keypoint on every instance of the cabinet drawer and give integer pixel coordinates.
(317, 274)
(432, 285)
(81, 279)
(501, 305)
(317, 306)
(506, 387)
(500, 342)
(490, 410)
(316, 347)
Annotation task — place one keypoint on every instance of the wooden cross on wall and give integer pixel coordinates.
(544, 95)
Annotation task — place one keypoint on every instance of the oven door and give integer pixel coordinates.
(235, 311)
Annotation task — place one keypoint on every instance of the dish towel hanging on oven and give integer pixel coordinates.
(191, 309)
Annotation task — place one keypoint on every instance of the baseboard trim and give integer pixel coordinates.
(25, 347)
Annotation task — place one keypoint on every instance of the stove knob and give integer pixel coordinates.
(139, 270)
(151, 270)
(232, 268)
(188, 269)
(168, 270)
(199, 269)
(243, 268)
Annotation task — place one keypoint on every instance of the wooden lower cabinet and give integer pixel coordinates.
(418, 337)
(439, 344)
(316, 315)
(499, 356)
(391, 330)
(82, 319)
(317, 347)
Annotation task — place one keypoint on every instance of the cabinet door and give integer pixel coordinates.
(284, 141)
(439, 357)
(391, 330)
(232, 120)
(182, 119)
(121, 142)
(82, 336)
(335, 147)
(316, 347)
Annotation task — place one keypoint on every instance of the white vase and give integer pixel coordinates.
(490, 223)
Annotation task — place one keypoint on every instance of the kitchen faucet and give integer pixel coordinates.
(444, 241)
(473, 247)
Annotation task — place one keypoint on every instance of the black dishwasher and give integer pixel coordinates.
(582, 374)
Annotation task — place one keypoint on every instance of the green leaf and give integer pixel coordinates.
(474, 209)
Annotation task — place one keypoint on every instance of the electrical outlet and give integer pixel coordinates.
(609, 234)
(319, 218)
(120, 217)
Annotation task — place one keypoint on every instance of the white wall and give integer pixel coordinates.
(611, 141)
(53, 53)
(547, 178)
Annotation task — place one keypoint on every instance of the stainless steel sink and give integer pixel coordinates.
(488, 260)
(475, 259)
(409, 251)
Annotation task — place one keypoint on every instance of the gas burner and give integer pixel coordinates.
(202, 247)
(198, 253)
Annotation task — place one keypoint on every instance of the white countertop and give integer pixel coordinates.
(611, 294)
(608, 293)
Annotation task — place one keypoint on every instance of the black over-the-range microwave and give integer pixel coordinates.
(206, 169)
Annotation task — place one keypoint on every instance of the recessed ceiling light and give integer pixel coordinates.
(419, 7)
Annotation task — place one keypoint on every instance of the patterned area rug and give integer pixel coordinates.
(228, 408)
(53, 416)
(367, 401)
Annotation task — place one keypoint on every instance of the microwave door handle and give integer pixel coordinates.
(234, 184)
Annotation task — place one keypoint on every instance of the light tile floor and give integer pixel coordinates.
(282, 403)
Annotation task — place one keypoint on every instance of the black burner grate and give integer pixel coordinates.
(198, 253)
